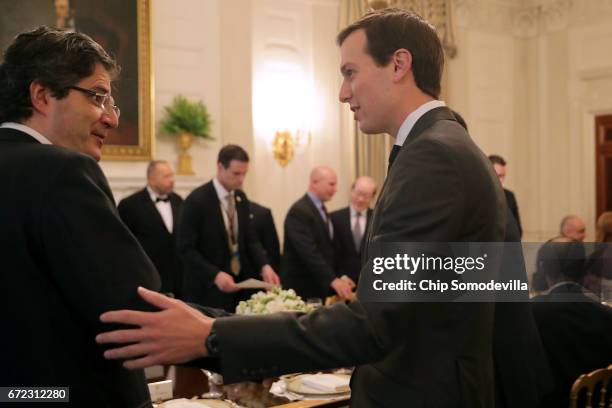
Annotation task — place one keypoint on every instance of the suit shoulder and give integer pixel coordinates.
(132, 198)
(201, 192)
(334, 215)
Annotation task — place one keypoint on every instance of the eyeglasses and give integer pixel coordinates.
(103, 100)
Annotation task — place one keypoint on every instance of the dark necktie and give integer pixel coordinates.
(394, 151)
(164, 199)
(231, 233)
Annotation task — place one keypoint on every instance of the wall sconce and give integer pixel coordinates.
(284, 145)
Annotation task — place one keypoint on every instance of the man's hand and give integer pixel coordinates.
(349, 281)
(174, 335)
(225, 282)
(342, 288)
(269, 276)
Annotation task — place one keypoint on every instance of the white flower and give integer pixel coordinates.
(276, 300)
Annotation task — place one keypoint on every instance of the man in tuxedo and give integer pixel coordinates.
(574, 326)
(216, 242)
(351, 225)
(66, 255)
(263, 224)
(152, 214)
(308, 253)
(440, 189)
(499, 164)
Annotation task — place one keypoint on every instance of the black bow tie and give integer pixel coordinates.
(164, 199)
(394, 151)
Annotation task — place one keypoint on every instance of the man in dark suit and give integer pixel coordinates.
(511, 352)
(572, 227)
(308, 253)
(440, 188)
(216, 241)
(152, 214)
(66, 255)
(574, 326)
(351, 226)
(499, 164)
(263, 224)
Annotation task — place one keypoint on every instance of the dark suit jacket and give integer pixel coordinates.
(512, 204)
(263, 224)
(348, 259)
(441, 188)
(203, 247)
(308, 252)
(577, 336)
(516, 341)
(66, 258)
(141, 216)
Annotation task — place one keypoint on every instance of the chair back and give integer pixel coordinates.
(596, 385)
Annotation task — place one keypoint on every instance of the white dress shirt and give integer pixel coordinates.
(411, 119)
(164, 208)
(224, 196)
(362, 219)
(26, 129)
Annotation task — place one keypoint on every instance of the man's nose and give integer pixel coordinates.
(345, 93)
(110, 120)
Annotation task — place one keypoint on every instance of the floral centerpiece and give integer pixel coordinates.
(275, 300)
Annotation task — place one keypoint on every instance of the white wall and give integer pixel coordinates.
(215, 51)
(530, 76)
(185, 59)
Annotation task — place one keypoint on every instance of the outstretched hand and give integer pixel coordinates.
(176, 334)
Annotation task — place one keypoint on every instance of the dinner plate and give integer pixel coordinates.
(296, 385)
(195, 403)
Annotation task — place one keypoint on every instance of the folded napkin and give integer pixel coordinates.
(185, 403)
(327, 382)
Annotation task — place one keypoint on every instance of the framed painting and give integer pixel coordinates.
(122, 27)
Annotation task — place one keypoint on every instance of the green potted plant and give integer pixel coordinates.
(187, 120)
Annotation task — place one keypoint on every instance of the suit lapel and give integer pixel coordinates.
(150, 207)
(313, 208)
(215, 206)
(174, 205)
(424, 122)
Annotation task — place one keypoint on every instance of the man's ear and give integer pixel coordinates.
(40, 96)
(402, 63)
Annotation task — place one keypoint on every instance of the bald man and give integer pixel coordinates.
(308, 255)
(350, 226)
(573, 227)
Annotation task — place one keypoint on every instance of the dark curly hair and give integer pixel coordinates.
(390, 29)
(54, 58)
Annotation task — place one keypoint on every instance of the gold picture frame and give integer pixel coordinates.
(123, 28)
(144, 148)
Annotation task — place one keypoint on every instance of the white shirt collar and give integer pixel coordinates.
(221, 191)
(411, 119)
(154, 195)
(26, 129)
(354, 211)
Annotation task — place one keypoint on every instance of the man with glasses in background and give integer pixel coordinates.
(66, 256)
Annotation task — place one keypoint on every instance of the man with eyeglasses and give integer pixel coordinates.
(66, 256)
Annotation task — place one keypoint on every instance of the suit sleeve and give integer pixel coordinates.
(126, 214)
(341, 335)
(97, 264)
(274, 244)
(298, 232)
(191, 219)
